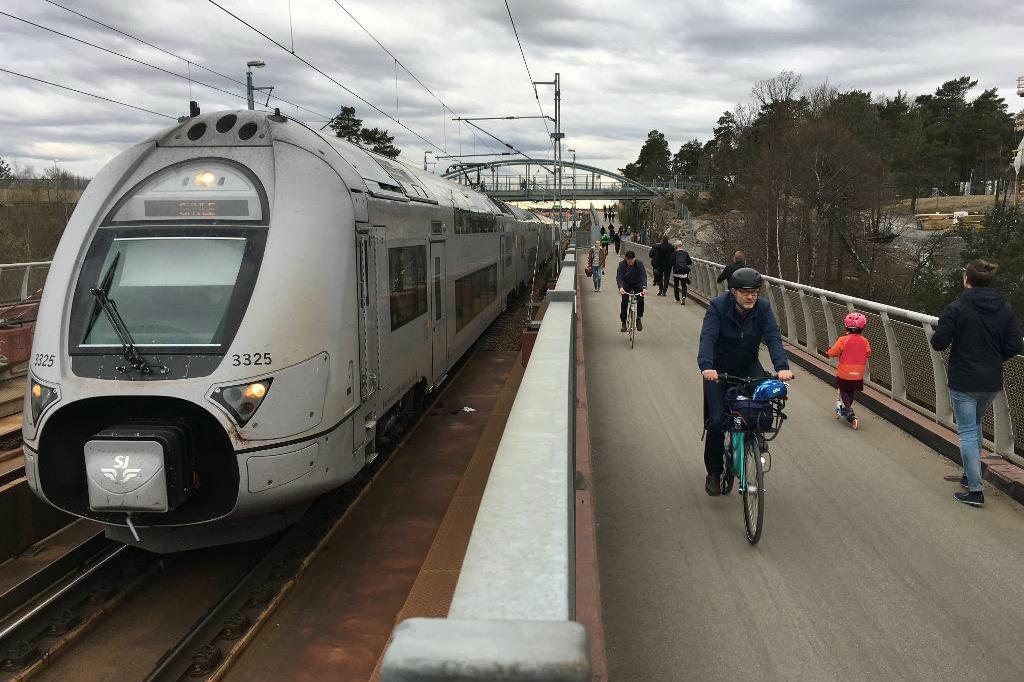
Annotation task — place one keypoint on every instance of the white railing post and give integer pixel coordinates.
(943, 406)
(830, 325)
(1003, 437)
(810, 333)
(791, 334)
(23, 294)
(899, 382)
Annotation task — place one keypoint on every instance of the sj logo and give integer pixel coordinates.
(120, 472)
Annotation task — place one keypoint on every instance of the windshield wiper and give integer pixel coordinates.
(130, 351)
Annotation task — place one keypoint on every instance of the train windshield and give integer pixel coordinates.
(172, 290)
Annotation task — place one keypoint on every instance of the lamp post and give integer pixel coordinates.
(249, 89)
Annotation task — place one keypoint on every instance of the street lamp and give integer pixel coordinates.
(250, 89)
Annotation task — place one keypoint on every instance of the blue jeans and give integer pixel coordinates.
(597, 276)
(969, 409)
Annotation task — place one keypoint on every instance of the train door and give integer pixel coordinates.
(438, 313)
(369, 343)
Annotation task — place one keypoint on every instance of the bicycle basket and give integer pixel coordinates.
(755, 415)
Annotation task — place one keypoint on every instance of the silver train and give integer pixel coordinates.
(238, 312)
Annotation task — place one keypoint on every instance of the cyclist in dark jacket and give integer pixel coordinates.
(984, 333)
(632, 279)
(735, 324)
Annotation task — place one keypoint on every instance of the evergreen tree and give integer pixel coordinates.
(686, 160)
(346, 126)
(655, 159)
(5, 171)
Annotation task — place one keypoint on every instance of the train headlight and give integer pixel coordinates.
(41, 396)
(243, 400)
(205, 179)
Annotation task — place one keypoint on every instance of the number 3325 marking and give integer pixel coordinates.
(250, 359)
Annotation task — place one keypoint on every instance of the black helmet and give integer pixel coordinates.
(745, 278)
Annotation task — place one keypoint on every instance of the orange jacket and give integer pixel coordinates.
(853, 351)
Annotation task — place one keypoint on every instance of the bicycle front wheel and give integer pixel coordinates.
(632, 327)
(752, 489)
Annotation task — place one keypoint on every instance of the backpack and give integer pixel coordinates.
(681, 264)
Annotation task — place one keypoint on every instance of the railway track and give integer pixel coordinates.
(60, 624)
(50, 630)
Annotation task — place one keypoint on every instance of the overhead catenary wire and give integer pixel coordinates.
(325, 74)
(123, 56)
(89, 94)
(529, 75)
(187, 61)
(398, 64)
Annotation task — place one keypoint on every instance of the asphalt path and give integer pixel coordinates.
(867, 569)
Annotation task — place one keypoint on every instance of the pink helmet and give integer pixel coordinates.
(855, 320)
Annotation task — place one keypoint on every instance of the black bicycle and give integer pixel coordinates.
(755, 410)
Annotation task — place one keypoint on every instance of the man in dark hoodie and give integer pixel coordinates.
(984, 333)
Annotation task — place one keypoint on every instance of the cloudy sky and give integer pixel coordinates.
(626, 67)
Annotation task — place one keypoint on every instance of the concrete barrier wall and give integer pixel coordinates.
(512, 614)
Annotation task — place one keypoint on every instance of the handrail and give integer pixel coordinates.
(905, 366)
(28, 267)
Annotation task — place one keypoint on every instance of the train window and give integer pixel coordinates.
(206, 190)
(437, 288)
(436, 227)
(506, 249)
(172, 290)
(473, 293)
(475, 222)
(407, 273)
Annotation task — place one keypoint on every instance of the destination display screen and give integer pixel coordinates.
(197, 208)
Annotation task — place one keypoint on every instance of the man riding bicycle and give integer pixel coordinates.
(632, 279)
(735, 325)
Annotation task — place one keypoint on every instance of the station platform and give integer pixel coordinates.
(868, 569)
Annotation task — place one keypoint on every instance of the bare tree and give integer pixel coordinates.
(776, 89)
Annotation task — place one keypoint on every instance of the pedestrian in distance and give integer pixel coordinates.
(631, 278)
(681, 264)
(661, 262)
(739, 260)
(853, 351)
(595, 262)
(606, 240)
(617, 238)
(984, 333)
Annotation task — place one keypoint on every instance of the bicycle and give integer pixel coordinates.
(755, 419)
(631, 318)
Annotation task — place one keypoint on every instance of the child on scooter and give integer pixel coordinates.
(853, 351)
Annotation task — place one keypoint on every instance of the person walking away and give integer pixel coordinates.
(681, 264)
(735, 325)
(631, 277)
(984, 333)
(853, 351)
(617, 238)
(661, 261)
(595, 262)
(739, 260)
(605, 241)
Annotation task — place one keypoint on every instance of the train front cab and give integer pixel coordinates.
(225, 277)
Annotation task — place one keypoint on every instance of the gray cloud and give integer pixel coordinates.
(626, 69)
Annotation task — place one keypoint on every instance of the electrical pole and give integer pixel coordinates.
(557, 139)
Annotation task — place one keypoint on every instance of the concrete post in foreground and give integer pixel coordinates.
(450, 650)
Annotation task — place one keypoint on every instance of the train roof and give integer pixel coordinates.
(381, 176)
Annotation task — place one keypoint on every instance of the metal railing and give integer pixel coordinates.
(511, 616)
(18, 280)
(903, 364)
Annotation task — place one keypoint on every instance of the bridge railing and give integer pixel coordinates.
(903, 364)
(511, 616)
(19, 280)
